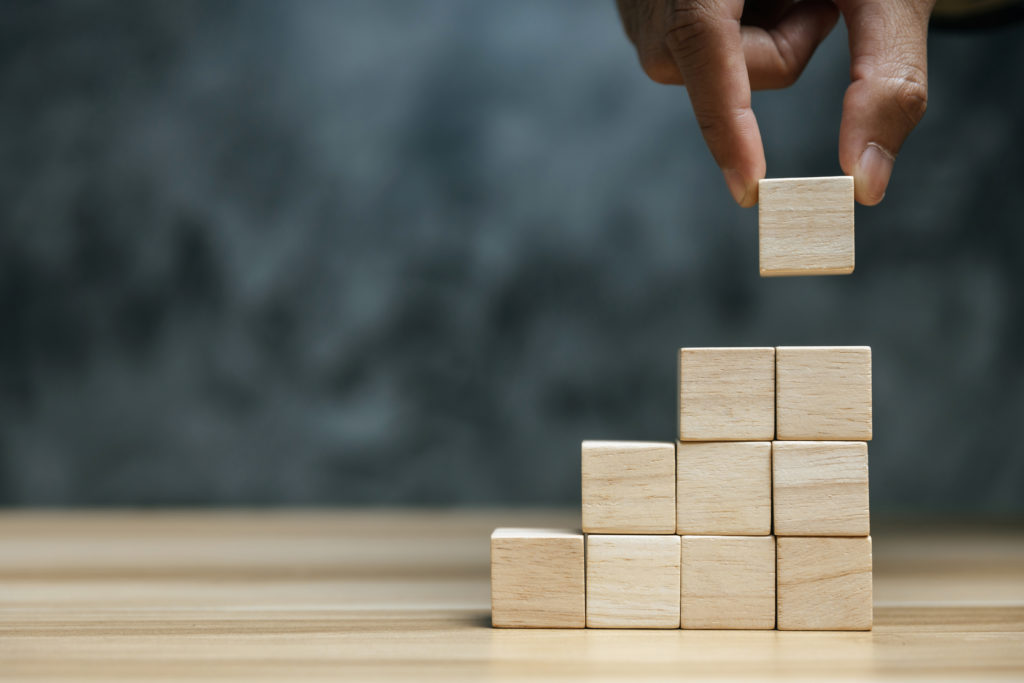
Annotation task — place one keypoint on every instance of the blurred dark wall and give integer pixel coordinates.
(414, 252)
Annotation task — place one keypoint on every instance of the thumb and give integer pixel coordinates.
(888, 94)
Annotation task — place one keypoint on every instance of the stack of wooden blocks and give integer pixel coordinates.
(755, 518)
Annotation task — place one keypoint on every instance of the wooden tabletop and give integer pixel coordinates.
(346, 595)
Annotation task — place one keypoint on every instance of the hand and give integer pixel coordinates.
(720, 49)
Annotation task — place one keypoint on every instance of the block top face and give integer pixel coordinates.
(823, 393)
(726, 394)
(628, 487)
(522, 532)
(626, 447)
(805, 226)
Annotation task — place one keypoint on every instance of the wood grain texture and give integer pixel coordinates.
(628, 487)
(400, 595)
(724, 488)
(824, 583)
(805, 226)
(726, 394)
(537, 578)
(728, 582)
(823, 393)
(820, 488)
(632, 581)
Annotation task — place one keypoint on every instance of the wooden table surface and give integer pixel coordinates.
(356, 595)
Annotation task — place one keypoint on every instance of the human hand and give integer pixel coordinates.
(721, 49)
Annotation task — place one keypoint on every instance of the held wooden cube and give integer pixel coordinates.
(823, 393)
(824, 584)
(820, 488)
(537, 578)
(629, 487)
(726, 394)
(728, 582)
(632, 581)
(805, 226)
(724, 488)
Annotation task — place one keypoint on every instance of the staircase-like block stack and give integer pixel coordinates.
(756, 517)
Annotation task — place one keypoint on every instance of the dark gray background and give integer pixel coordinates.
(414, 252)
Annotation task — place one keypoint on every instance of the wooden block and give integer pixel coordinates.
(805, 226)
(537, 578)
(632, 581)
(824, 584)
(724, 488)
(629, 487)
(726, 394)
(820, 488)
(823, 393)
(728, 582)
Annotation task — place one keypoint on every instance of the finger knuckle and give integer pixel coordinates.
(910, 93)
(716, 124)
(659, 67)
(787, 63)
(628, 13)
(687, 23)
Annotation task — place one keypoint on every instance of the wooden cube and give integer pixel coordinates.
(728, 582)
(537, 578)
(823, 393)
(824, 584)
(632, 581)
(629, 487)
(820, 488)
(726, 394)
(805, 226)
(724, 488)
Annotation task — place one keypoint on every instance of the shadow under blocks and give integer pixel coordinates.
(755, 517)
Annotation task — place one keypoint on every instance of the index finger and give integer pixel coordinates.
(706, 43)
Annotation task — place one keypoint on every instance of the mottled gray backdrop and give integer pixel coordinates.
(414, 252)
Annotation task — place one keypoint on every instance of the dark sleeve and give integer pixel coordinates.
(976, 14)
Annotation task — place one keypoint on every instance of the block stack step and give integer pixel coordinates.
(755, 517)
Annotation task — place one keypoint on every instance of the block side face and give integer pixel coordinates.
(628, 487)
(823, 393)
(724, 488)
(728, 582)
(824, 584)
(820, 488)
(679, 394)
(632, 581)
(537, 582)
(726, 394)
(806, 226)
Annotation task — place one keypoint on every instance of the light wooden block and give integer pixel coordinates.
(724, 488)
(824, 584)
(805, 226)
(537, 578)
(820, 488)
(823, 393)
(628, 487)
(728, 582)
(632, 581)
(726, 394)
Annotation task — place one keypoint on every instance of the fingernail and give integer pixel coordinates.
(737, 185)
(872, 174)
